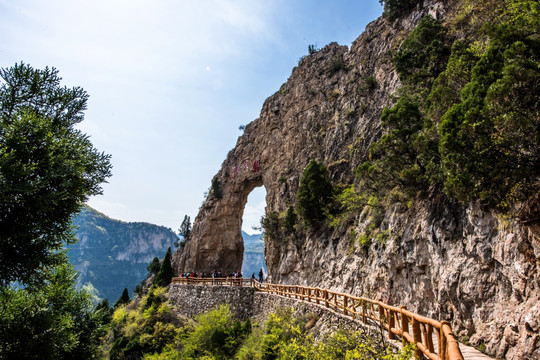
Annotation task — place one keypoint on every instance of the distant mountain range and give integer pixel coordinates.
(113, 255)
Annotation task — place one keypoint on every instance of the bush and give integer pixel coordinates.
(336, 64)
(396, 8)
(166, 272)
(290, 220)
(270, 224)
(423, 54)
(216, 188)
(315, 193)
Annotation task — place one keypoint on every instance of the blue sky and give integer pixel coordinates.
(171, 81)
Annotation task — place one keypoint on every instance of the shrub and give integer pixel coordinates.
(396, 8)
(216, 188)
(335, 64)
(166, 272)
(270, 224)
(315, 193)
(423, 54)
(290, 220)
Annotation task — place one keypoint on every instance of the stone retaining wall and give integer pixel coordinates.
(244, 302)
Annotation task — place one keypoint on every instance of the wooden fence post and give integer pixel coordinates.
(404, 324)
(345, 303)
(364, 310)
(417, 337)
(391, 324)
(325, 293)
(443, 342)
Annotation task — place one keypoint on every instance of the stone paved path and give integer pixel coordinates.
(470, 353)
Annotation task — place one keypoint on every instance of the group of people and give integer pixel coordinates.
(214, 275)
(219, 275)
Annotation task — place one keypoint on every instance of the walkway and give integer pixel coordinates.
(434, 339)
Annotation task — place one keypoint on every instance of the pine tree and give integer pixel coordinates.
(166, 272)
(123, 299)
(154, 266)
(314, 193)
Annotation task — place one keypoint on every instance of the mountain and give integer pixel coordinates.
(253, 259)
(112, 254)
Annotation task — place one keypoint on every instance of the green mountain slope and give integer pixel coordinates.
(112, 254)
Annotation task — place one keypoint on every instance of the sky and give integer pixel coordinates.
(170, 82)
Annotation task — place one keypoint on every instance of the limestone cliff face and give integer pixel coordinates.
(444, 259)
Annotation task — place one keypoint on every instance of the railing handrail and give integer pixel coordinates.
(413, 328)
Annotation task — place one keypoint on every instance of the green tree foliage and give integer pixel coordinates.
(123, 299)
(423, 54)
(490, 138)
(448, 85)
(396, 8)
(336, 64)
(52, 321)
(216, 335)
(166, 272)
(477, 133)
(216, 188)
(185, 229)
(153, 332)
(104, 311)
(154, 266)
(270, 224)
(315, 193)
(146, 329)
(48, 168)
(290, 220)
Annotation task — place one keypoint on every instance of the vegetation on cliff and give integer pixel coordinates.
(464, 126)
(467, 119)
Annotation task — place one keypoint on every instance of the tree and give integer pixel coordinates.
(395, 8)
(123, 299)
(154, 266)
(51, 321)
(216, 188)
(185, 229)
(48, 169)
(314, 193)
(423, 55)
(166, 272)
(290, 220)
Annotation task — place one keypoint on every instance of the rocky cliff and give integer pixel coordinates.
(455, 260)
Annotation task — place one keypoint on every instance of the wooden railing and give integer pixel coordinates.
(397, 321)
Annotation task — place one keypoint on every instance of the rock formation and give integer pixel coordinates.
(444, 259)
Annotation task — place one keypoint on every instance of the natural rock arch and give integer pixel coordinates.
(308, 118)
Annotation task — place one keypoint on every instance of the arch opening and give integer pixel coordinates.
(253, 258)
